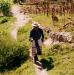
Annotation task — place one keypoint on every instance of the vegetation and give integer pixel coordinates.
(52, 56)
(11, 55)
(55, 26)
(6, 24)
(23, 34)
(14, 55)
(62, 56)
(26, 68)
(5, 8)
(10, 50)
(58, 57)
(4, 19)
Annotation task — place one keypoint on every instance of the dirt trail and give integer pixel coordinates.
(40, 71)
(21, 20)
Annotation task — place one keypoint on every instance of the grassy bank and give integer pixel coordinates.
(59, 58)
(23, 34)
(25, 69)
(6, 24)
(55, 26)
(62, 56)
(12, 53)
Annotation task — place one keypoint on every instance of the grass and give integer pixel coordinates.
(63, 64)
(6, 27)
(25, 69)
(23, 34)
(62, 55)
(62, 60)
(47, 21)
(10, 50)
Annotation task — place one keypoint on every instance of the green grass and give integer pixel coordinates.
(23, 34)
(62, 56)
(25, 69)
(63, 64)
(7, 26)
(47, 21)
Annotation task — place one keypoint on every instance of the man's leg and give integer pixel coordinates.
(35, 58)
(38, 48)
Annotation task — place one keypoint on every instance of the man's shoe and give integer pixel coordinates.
(36, 59)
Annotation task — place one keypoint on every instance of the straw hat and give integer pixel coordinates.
(35, 24)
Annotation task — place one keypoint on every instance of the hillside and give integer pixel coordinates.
(57, 54)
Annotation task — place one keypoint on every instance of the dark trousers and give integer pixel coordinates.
(35, 58)
(39, 52)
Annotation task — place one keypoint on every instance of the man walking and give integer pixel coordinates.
(36, 36)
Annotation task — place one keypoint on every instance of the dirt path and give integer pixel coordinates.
(38, 67)
(21, 20)
(39, 70)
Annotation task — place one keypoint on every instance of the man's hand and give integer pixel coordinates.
(30, 39)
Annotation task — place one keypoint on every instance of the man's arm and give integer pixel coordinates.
(30, 37)
(42, 35)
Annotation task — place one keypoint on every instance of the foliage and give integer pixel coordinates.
(6, 24)
(5, 8)
(63, 60)
(61, 49)
(14, 1)
(11, 54)
(26, 68)
(23, 34)
(3, 19)
(14, 53)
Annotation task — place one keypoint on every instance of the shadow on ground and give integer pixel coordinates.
(47, 63)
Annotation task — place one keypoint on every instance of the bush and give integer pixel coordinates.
(14, 1)
(56, 48)
(61, 49)
(5, 8)
(12, 54)
(3, 20)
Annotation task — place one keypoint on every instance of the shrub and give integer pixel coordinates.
(14, 1)
(12, 54)
(61, 49)
(3, 20)
(56, 48)
(5, 8)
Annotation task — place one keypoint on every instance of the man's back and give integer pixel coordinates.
(36, 33)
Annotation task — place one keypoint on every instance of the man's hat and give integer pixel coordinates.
(35, 24)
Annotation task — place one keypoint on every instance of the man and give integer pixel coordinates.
(36, 36)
